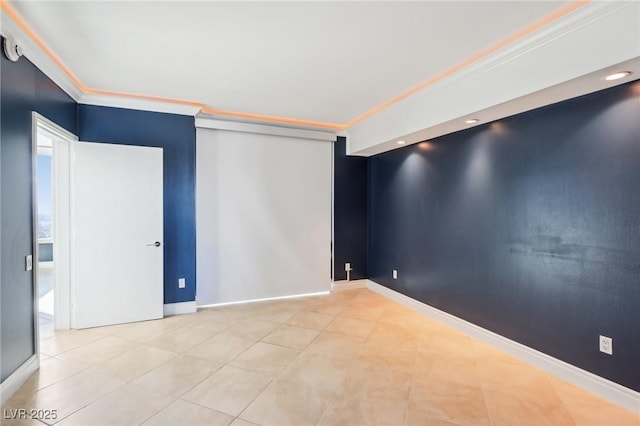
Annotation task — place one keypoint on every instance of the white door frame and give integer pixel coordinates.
(62, 201)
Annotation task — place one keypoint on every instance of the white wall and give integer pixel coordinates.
(263, 216)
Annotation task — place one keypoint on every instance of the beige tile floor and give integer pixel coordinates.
(350, 358)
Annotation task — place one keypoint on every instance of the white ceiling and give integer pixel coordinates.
(320, 61)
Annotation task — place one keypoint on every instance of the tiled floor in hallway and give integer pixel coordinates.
(348, 358)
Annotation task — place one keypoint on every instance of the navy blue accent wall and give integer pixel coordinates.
(350, 213)
(176, 134)
(529, 227)
(23, 89)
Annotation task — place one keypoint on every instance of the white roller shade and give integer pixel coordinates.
(263, 206)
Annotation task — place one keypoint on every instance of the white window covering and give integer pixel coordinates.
(263, 213)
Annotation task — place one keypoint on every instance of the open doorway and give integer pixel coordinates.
(94, 202)
(45, 227)
(52, 217)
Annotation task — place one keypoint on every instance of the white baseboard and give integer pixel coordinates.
(12, 383)
(348, 285)
(618, 394)
(179, 308)
(266, 299)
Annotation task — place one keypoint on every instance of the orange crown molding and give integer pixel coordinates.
(9, 10)
(273, 118)
(473, 59)
(558, 14)
(90, 91)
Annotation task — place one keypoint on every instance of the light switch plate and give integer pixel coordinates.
(28, 263)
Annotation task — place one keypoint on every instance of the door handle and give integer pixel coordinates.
(156, 244)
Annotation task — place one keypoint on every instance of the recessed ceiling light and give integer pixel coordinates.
(472, 121)
(401, 142)
(617, 75)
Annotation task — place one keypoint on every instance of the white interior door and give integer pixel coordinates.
(117, 253)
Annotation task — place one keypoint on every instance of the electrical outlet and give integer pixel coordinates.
(395, 274)
(606, 345)
(181, 283)
(347, 266)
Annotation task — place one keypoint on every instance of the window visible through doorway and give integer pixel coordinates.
(45, 217)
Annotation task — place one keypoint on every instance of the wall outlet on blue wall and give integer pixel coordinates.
(395, 274)
(606, 345)
(181, 283)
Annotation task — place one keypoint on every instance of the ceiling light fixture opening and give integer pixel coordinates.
(472, 121)
(401, 142)
(618, 75)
